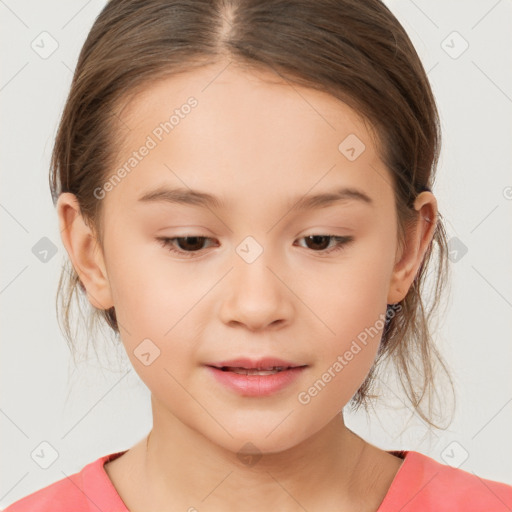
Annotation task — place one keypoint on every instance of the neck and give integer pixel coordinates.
(186, 469)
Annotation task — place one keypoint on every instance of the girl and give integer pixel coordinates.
(244, 192)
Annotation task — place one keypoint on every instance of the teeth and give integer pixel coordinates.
(247, 371)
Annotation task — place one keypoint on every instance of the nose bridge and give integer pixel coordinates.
(254, 260)
(255, 295)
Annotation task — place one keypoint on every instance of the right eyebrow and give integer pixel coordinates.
(182, 196)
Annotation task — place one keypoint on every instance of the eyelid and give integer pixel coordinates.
(340, 243)
(166, 242)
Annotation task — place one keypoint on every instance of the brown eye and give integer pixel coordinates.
(320, 243)
(187, 246)
(184, 245)
(190, 243)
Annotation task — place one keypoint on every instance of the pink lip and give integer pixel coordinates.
(256, 385)
(245, 362)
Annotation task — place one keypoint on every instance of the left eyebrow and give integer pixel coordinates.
(310, 202)
(206, 200)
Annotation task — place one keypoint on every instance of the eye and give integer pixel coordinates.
(323, 241)
(188, 245)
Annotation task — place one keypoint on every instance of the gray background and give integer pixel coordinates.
(87, 412)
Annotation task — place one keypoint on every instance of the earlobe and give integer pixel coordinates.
(417, 240)
(84, 251)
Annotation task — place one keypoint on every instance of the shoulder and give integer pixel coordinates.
(56, 496)
(422, 483)
(81, 492)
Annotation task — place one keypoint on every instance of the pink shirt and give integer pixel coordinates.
(420, 484)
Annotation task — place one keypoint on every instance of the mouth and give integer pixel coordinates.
(263, 366)
(255, 371)
(259, 378)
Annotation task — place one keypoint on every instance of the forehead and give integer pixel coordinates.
(221, 128)
(247, 97)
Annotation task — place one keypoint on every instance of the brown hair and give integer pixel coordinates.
(355, 50)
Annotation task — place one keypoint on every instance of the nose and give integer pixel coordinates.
(256, 296)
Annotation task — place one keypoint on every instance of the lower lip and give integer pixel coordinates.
(257, 385)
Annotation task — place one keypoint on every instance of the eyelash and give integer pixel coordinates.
(341, 242)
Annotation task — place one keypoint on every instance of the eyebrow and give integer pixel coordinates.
(205, 200)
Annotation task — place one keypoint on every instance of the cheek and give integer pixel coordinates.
(151, 291)
(352, 308)
(351, 295)
(157, 304)
(153, 313)
(345, 355)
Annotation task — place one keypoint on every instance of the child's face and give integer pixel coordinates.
(258, 147)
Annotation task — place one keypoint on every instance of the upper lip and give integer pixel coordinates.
(255, 364)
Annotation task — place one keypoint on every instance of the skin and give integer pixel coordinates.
(256, 142)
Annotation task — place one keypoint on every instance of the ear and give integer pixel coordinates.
(417, 240)
(84, 251)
